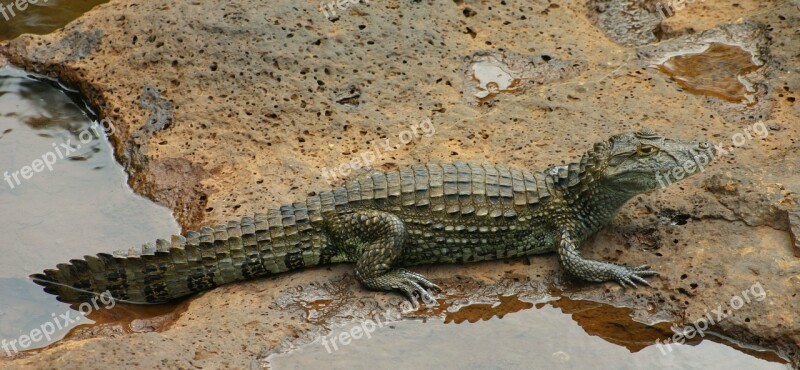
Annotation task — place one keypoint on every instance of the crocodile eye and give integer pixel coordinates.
(644, 150)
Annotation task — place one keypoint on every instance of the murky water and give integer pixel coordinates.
(62, 195)
(42, 17)
(718, 71)
(512, 335)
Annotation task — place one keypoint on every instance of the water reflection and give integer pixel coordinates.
(42, 17)
(82, 206)
(552, 336)
(718, 71)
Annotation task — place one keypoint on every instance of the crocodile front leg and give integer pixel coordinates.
(374, 240)
(599, 271)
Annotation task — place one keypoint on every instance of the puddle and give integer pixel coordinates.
(724, 66)
(43, 17)
(488, 74)
(493, 77)
(510, 334)
(128, 318)
(82, 206)
(717, 71)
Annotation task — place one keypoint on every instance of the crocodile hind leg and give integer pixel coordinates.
(598, 271)
(374, 240)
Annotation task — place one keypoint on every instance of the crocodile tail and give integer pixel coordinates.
(158, 272)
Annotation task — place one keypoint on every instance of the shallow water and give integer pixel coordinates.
(493, 77)
(717, 71)
(552, 336)
(42, 17)
(82, 206)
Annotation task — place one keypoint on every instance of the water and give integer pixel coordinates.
(42, 17)
(553, 336)
(83, 206)
(718, 71)
(493, 77)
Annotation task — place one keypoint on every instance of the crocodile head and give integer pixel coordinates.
(643, 161)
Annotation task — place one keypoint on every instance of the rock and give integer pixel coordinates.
(794, 228)
(225, 109)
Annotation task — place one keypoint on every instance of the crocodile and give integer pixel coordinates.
(384, 222)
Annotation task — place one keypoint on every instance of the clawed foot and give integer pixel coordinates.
(629, 275)
(408, 282)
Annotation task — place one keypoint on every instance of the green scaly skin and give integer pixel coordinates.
(383, 221)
